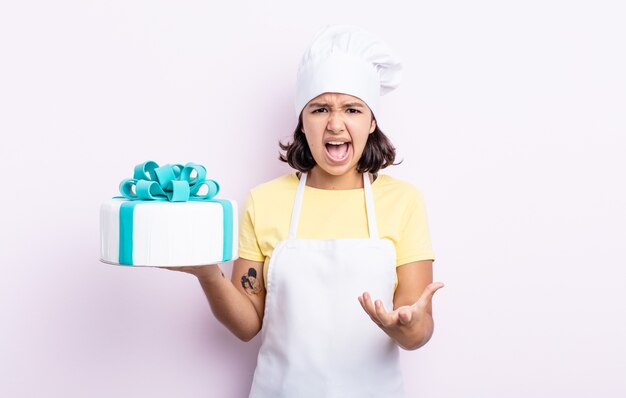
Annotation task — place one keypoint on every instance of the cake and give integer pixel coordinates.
(168, 216)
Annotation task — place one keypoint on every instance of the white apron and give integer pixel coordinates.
(316, 339)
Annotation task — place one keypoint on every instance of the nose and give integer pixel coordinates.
(335, 122)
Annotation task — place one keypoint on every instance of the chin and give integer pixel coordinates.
(338, 171)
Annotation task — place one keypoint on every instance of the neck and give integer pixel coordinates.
(318, 178)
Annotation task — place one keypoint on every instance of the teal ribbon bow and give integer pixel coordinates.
(171, 182)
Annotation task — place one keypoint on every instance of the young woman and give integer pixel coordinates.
(335, 261)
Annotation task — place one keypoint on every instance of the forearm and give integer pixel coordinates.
(414, 335)
(229, 305)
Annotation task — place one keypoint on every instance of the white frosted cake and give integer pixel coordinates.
(167, 233)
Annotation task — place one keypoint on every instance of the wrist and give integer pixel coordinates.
(210, 274)
(416, 334)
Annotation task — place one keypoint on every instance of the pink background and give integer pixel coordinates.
(510, 120)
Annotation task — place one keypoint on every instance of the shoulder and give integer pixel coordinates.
(285, 183)
(274, 192)
(396, 189)
(396, 196)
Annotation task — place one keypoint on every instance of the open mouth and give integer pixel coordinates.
(338, 150)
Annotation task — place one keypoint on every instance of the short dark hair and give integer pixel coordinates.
(379, 152)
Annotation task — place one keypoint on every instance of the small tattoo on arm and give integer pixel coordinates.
(250, 282)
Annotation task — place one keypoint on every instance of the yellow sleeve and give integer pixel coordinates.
(248, 243)
(414, 243)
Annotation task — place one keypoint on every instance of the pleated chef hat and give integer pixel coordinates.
(347, 59)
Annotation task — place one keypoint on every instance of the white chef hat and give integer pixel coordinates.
(347, 59)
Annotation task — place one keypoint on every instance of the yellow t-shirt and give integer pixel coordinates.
(334, 214)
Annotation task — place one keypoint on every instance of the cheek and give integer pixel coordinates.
(359, 136)
(313, 133)
(359, 148)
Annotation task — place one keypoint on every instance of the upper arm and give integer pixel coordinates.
(412, 280)
(249, 246)
(247, 274)
(414, 251)
(247, 277)
(413, 241)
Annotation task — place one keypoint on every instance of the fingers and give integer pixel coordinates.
(368, 306)
(401, 316)
(377, 312)
(180, 269)
(386, 319)
(197, 270)
(405, 315)
(427, 294)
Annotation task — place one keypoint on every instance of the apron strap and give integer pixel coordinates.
(295, 214)
(369, 206)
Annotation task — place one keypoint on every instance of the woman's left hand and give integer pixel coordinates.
(408, 317)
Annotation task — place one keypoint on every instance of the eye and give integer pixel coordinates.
(319, 110)
(353, 110)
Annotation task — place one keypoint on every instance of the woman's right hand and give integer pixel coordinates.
(200, 271)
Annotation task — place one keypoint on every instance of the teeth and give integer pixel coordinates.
(335, 142)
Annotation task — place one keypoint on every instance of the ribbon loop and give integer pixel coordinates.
(141, 169)
(171, 182)
(127, 188)
(164, 175)
(189, 169)
(178, 191)
(212, 189)
(147, 190)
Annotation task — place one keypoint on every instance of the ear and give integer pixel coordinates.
(373, 126)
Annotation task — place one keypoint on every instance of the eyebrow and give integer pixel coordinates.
(325, 105)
